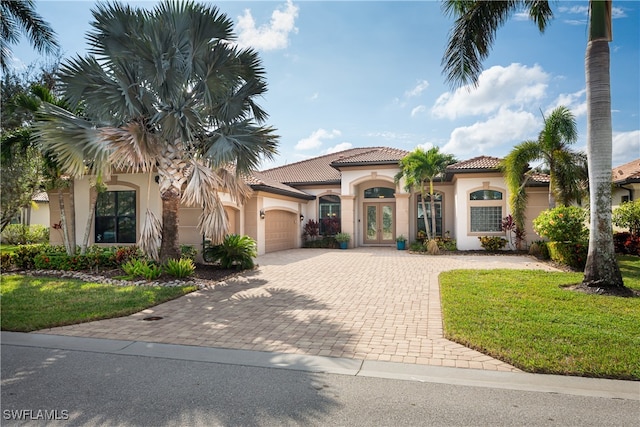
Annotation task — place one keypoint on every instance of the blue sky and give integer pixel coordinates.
(368, 73)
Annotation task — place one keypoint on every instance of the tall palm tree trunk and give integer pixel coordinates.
(602, 269)
(172, 172)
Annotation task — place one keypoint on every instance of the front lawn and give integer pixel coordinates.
(526, 318)
(32, 303)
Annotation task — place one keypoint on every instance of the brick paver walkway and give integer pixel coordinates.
(365, 303)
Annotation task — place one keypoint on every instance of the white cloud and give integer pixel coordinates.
(314, 96)
(336, 148)
(576, 102)
(498, 87)
(417, 90)
(418, 110)
(504, 129)
(271, 36)
(626, 147)
(316, 138)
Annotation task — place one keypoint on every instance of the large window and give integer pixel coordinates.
(329, 214)
(116, 217)
(438, 208)
(485, 211)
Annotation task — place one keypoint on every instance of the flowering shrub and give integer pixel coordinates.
(626, 243)
(562, 224)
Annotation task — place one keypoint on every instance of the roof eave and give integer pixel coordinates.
(272, 190)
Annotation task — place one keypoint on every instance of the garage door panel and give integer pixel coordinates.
(280, 230)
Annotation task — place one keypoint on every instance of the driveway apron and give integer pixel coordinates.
(365, 303)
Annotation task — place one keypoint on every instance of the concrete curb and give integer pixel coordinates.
(595, 387)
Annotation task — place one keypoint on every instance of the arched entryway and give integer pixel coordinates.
(379, 209)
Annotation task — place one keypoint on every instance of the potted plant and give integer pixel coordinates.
(401, 242)
(343, 239)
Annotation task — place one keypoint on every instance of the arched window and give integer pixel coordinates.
(421, 217)
(379, 193)
(485, 211)
(329, 217)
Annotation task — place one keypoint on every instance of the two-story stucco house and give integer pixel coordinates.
(354, 186)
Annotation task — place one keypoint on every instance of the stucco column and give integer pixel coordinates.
(402, 214)
(348, 217)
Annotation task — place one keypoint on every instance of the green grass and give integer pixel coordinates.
(526, 318)
(33, 303)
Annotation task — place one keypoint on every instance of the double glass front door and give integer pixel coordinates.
(379, 223)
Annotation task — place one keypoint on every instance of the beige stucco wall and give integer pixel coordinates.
(38, 213)
(537, 201)
(464, 184)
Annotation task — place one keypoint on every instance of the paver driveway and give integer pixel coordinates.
(365, 303)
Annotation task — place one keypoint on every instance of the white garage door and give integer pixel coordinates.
(281, 228)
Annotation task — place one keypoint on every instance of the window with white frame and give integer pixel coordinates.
(485, 211)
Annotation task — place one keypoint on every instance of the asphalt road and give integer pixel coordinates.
(89, 388)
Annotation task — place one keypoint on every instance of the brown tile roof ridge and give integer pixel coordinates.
(317, 169)
(479, 162)
(626, 171)
(257, 180)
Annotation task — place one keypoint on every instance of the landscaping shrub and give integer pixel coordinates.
(417, 246)
(562, 224)
(327, 242)
(142, 268)
(7, 260)
(627, 215)
(492, 243)
(20, 234)
(446, 243)
(25, 255)
(311, 230)
(573, 254)
(180, 268)
(126, 253)
(626, 243)
(188, 252)
(539, 249)
(235, 251)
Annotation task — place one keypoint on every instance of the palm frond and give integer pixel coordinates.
(202, 181)
(241, 143)
(132, 147)
(234, 185)
(74, 141)
(213, 222)
(149, 241)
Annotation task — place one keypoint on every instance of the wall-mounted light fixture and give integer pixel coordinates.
(301, 217)
(261, 213)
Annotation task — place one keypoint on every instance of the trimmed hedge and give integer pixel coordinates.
(573, 254)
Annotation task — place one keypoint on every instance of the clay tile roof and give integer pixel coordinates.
(258, 181)
(540, 178)
(320, 169)
(477, 163)
(376, 155)
(627, 172)
(40, 197)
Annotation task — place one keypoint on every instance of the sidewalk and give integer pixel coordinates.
(593, 387)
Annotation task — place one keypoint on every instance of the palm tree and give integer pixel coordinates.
(19, 16)
(566, 167)
(419, 167)
(165, 89)
(473, 33)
